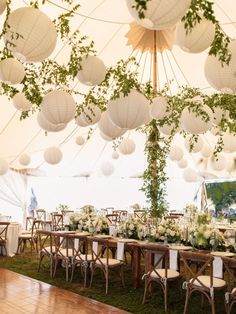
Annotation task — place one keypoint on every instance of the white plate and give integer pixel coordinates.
(223, 254)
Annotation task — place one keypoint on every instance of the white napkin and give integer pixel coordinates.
(173, 255)
(66, 220)
(156, 258)
(76, 244)
(218, 267)
(111, 230)
(120, 251)
(95, 247)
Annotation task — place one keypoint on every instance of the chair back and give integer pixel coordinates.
(61, 244)
(79, 246)
(37, 226)
(40, 214)
(112, 218)
(29, 223)
(3, 230)
(57, 222)
(45, 241)
(230, 267)
(100, 249)
(141, 214)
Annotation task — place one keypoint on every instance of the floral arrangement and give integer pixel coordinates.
(190, 210)
(87, 210)
(90, 223)
(165, 230)
(135, 206)
(205, 236)
(132, 227)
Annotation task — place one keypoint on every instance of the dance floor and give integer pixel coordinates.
(20, 294)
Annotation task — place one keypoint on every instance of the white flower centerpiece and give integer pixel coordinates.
(133, 228)
(165, 230)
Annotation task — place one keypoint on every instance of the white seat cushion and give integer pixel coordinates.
(111, 261)
(89, 257)
(234, 290)
(63, 252)
(217, 282)
(161, 271)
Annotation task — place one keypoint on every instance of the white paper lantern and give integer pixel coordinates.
(93, 71)
(48, 126)
(219, 114)
(107, 168)
(207, 151)
(126, 147)
(229, 142)
(160, 14)
(176, 153)
(222, 77)
(218, 163)
(3, 4)
(58, 107)
(198, 39)
(167, 129)
(53, 155)
(190, 175)
(105, 137)
(37, 32)
(91, 114)
(195, 124)
(197, 146)
(80, 140)
(80, 121)
(3, 166)
(108, 128)
(24, 159)
(182, 163)
(129, 112)
(21, 102)
(115, 155)
(11, 71)
(158, 109)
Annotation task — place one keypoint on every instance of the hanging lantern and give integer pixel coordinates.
(207, 151)
(219, 114)
(3, 4)
(21, 102)
(105, 138)
(3, 166)
(11, 71)
(126, 147)
(218, 163)
(129, 112)
(58, 107)
(160, 14)
(108, 128)
(195, 124)
(222, 77)
(168, 129)
(182, 163)
(48, 126)
(107, 168)
(192, 145)
(80, 121)
(37, 32)
(190, 175)
(198, 39)
(176, 153)
(24, 159)
(115, 155)
(53, 155)
(80, 140)
(158, 109)
(91, 114)
(229, 142)
(93, 71)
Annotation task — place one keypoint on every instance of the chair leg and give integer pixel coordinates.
(72, 271)
(91, 279)
(122, 275)
(165, 296)
(186, 301)
(212, 306)
(40, 261)
(85, 269)
(51, 265)
(107, 279)
(55, 267)
(145, 291)
(67, 270)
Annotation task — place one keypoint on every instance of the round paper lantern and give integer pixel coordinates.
(127, 146)
(58, 107)
(91, 114)
(229, 142)
(176, 153)
(167, 129)
(24, 159)
(105, 137)
(160, 14)
(107, 168)
(115, 155)
(207, 151)
(196, 145)
(53, 155)
(80, 121)
(219, 114)
(93, 71)
(21, 102)
(3, 166)
(182, 163)
(222, 77)
(195, 124)
(108, 128)
(158, 109)
(218, 163)
(80, 140)
(37, 32)
(48, 126)
(11, 71)
(190, 175)
(3, 4)
(198, 39)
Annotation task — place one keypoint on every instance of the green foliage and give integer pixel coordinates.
(222, 194)
(141, 7)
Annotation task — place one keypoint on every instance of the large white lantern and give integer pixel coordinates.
(12, 71)
(3, 4)
(107, 168)
(222, 77)
(58, 107)
(195, 124)
(126, 147)
(3, 166)
(158, 109)
(93, 71)
(53, 155)
(168, 129)
(48, 126)
(160, 14)
(37, 32)
(198, 39)
(218, 163)
(176, 153)
(182, 163)
(91, 114)
(24, 159)
(115, 155)
(219, 114)
(229, 142)
(80, 140)
(108, 128)
(190, 175)
(192, 145)
(207, 151)
(21, 102)
(129, 112)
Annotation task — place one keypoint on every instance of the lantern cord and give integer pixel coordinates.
(228, 17)
(155, 64)
(150, 73)
(9, 121)
(173, 72)
(69, 136)
(144, 66)
(184, 76)
(167, 79)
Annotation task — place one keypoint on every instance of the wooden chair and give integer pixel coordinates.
(141, 214)
(40, 214)
(3, 236)
(230, 296)
(46, 248)
(104, 211)
(122, 214)
(104, 263)
(197, 281)
(112, 218)
(29, 223)
(156, 269)
(57, 222)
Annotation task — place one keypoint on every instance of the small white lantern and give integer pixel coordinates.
(219, 114)
(12, 71)
(129, 112)
(160, 14)
(158, 109)
(91, 114)
(108, 128)
(58, 107)
(229, 142)
(3, 4)
(126, 147)
(198, 39)
(197, 145)
(24, 159)
(115, 155)
(37, 32)
(53, 155)
(190, 175)
(107, 168)
(167, 129)
(182, 163)
(80, 140)
(218, 163)
(93, 71)
(176, 153)
(3, 166)
(21, 102)
(207, 151)
(48, 126)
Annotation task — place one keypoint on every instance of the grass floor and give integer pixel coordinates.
(124, 298)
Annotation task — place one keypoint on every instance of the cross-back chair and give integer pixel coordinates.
(230, 296)
(46, 248)
(57, 222)
(40, 214)
(3, 236)
(112, 218)
(141, 214)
